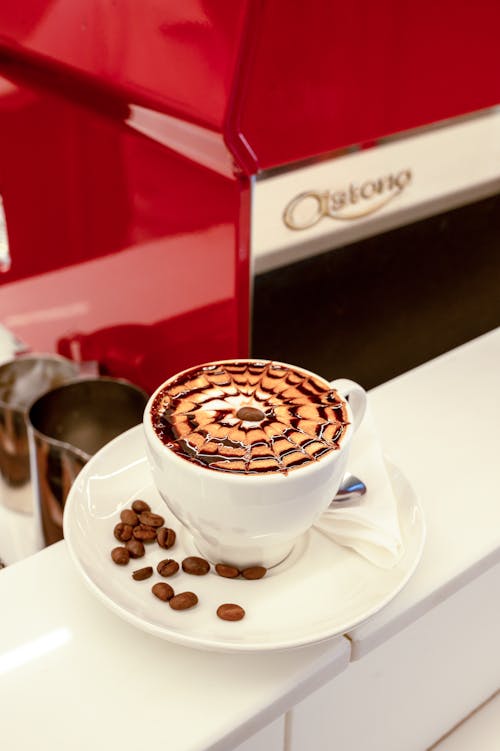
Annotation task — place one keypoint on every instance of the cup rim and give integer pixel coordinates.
(238, 477)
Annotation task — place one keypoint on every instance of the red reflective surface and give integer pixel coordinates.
(326, 75)
(128, 131)
(282, 81)
(178, 57)
(122, 250)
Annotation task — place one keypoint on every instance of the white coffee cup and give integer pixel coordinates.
(250, 519)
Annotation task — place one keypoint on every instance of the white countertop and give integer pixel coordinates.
(69, 668)
(440, 425)
(73, 675)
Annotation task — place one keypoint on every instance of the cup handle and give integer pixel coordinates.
(355, 394)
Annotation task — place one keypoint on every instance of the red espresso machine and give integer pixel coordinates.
(134, 138)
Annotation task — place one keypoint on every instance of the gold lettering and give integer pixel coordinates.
(353, 193)
(337, 201)
(403, 178)
(387, 182)
(367, 190)
(291, 214)
(306, 209)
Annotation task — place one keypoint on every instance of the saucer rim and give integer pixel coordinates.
(219, 644)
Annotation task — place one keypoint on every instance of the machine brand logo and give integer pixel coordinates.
(354, 202)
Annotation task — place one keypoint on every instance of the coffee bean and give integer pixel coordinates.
(230, 612)
(135, 548)
(254, 572)
(144, 533)
(142, 573)
(165, 537)
(168, 567)
(250, 414)
(151, 520)
(123, 532)
(140, 506)
(120, 556)
(183, 601)
(129, 517)
(229, 572)
(163, 591)
(195, 565)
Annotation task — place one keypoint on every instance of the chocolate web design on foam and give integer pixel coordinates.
(252, 417)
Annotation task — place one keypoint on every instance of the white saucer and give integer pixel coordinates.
(320, 591)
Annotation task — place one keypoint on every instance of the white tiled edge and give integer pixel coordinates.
(480, 730)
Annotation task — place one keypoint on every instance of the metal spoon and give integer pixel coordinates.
(351, 488)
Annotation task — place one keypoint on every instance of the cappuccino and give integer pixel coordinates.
(249, 417)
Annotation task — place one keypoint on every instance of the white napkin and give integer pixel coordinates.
(370, 526)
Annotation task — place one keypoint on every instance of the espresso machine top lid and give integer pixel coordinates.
(264, 84)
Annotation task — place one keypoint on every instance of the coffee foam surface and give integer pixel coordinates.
(249, 417)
